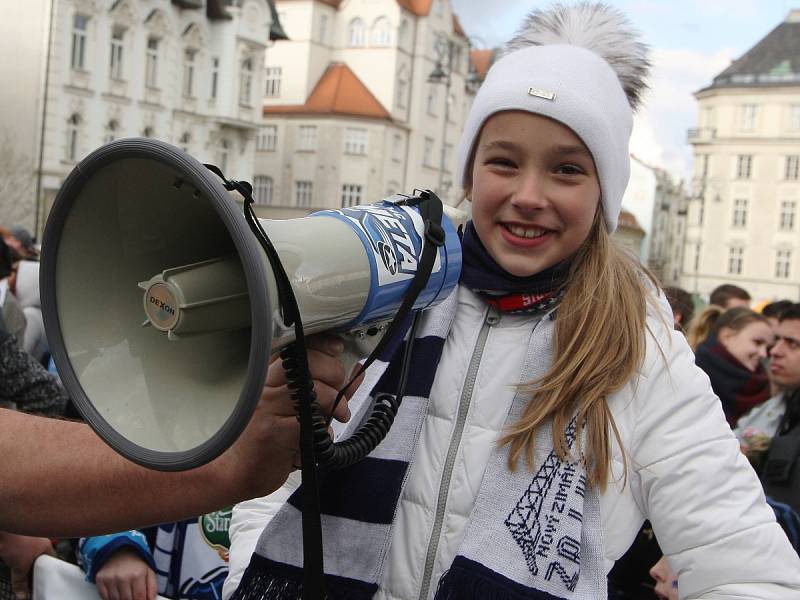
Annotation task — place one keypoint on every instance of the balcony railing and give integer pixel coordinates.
(701, 134)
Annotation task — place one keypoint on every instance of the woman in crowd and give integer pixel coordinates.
(535, 437)
(732, 356)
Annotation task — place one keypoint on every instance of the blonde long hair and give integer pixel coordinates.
(599, 344)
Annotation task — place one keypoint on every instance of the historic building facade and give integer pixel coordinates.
(366, 98)
(81, 73)
(743, 224)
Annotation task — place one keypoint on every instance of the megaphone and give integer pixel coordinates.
(161, 308)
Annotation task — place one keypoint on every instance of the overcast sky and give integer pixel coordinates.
(691, 40)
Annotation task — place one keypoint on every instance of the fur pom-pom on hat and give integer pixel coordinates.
(581, 65)
(598, 27)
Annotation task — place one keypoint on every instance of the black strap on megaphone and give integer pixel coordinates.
(366, 439)
(302, 388)
(316, 444)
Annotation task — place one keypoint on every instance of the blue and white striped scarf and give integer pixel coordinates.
(530, 536)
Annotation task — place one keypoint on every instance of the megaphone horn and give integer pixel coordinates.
(161, 308)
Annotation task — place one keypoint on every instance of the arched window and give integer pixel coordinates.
(73, 129)
(381, 32)
(356, 33)
(246, 82)
(262, 189)
(112, 131)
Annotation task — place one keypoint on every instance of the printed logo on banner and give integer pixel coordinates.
(214, 530)
(389, 231)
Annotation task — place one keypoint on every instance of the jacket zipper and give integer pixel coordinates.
(492, 318)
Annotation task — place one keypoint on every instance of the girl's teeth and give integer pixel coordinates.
(526, 233)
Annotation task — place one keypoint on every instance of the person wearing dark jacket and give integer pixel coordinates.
(24, 384)
(731, 355)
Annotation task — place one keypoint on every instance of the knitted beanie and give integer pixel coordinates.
(582, 66)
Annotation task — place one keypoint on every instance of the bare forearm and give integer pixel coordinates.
(59, 478)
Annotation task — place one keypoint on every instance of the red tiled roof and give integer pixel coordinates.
(338, 92)
(628, 221)
(481, 61)
(421, 8)
(457, 27)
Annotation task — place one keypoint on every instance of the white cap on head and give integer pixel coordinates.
(567, 82)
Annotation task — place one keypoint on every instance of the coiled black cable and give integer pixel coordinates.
(337, 455)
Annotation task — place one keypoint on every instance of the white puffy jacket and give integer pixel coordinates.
(685, 471)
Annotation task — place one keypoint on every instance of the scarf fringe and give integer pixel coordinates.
(259, 585)
(467, 580)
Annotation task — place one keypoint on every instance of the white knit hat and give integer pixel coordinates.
(560, 66)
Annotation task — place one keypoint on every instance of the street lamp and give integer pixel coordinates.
(445, 49)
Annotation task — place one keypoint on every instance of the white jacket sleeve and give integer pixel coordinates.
(247, 522)
(704, 500)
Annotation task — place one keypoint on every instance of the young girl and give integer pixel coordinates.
(550, 407)
(731, 355)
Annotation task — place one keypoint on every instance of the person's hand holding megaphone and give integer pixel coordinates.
(274, 430)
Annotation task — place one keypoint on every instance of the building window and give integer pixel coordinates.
(185, 141)
(246, 82)
(707, 117)
(744, 163)
(307, 138)
(188, 72)
(73, 128)
(117, 47)
(267, 138)
(397, 148)
(262, 189)
(356, 33)
(355, 140)
(783, 264)
(148, 132)
(381, 32)
(431, 104)
(787, 215)
(696, 258)
(427, 155)
(402, 86)
(748, 115)
(78, 54)
(112, 131)
(303, 191)
(151, 63)
(448, 156)
(740, 212)
(735, 260)
(794, 116)
(351, 195)
(224, 152)
(793, 166)
(214, 77)
(272, 76)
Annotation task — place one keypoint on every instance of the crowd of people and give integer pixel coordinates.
(554, 402)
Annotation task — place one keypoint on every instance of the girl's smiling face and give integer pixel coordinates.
(534, 190)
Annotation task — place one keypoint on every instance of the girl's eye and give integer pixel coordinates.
(570, 169)
(500, 161)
